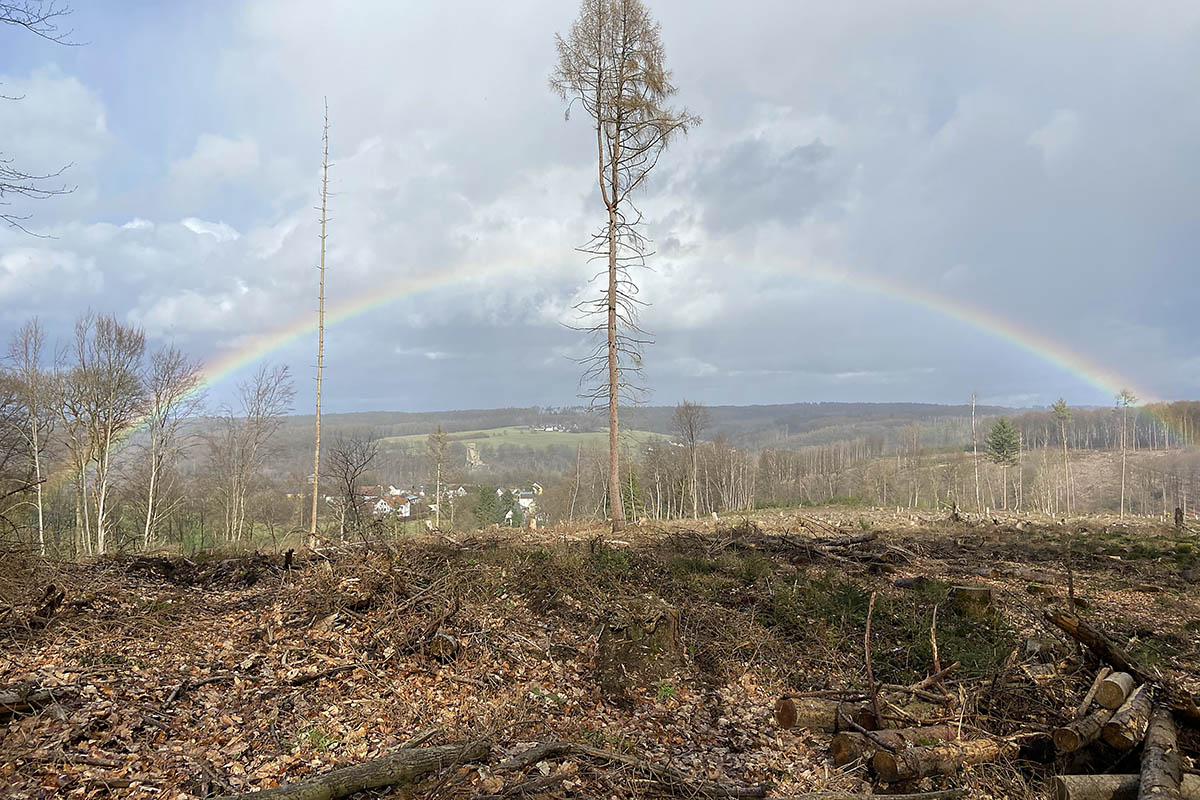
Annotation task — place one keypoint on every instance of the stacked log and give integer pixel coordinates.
(942, 759)
(1082, 732)
(1128, 725)
(1115, 689)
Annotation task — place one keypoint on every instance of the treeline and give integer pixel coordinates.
(1018, 463)
(102, 447)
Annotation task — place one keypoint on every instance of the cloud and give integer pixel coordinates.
(216, 160)
(218, 230)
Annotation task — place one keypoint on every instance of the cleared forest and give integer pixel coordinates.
(768, 656)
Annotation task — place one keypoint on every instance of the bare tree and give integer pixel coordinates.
(32, 385)
(312, 531)
(349, 459)
(975, 451)
(71, 408)
(1125, 399)
(173, 386)
(690, 421)
(108, 363)
(16, 478)
(437, 451)
(242, 442)
(41, 19)
(1062, 413)
(612, 64)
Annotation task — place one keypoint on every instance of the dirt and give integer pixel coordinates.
(194, 679)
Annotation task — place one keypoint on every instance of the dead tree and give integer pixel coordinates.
(312, 530)
(612, 64)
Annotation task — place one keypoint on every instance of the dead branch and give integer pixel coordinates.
(398, 767)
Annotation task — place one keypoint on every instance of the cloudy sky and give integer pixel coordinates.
(904, 201)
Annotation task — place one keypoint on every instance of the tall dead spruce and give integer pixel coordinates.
(613, 65)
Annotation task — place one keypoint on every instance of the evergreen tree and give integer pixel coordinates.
(1003, 445)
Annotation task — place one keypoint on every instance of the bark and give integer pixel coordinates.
(944, 759)
(850, 746)
(821, 714)
(1112, 787)
(1180, 700)
(1115, 690)
(400, 767)
(1127, 727)
(1081, 732)
(1162, 769)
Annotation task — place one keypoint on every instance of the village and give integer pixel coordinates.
(384, 503)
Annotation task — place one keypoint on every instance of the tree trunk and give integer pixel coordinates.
(943, 759)
(312, 529)
(616, 509)
(1162, 770)
(399, 767)
(1128, 726)
(1081, 732)
(1113, 787)
(849, 746)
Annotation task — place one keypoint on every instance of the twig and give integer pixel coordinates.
(1104, 672)
(854, 726)
(867, 655)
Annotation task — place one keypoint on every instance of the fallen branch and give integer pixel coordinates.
(187, 685)
(859, 746)
(24, 701)
(398, 767)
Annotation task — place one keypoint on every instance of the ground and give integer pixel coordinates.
(193, 679)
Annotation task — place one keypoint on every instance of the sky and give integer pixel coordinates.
(909, 201)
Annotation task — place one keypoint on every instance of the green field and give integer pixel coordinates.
(519, 436)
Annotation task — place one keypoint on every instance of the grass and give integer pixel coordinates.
(525, 437)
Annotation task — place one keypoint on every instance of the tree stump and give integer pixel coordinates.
(639, 646)
(971, 601)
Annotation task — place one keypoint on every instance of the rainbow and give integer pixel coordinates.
(1081, 366)
(254, 348)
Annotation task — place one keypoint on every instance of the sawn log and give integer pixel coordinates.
(1112, 787)
(942, 759)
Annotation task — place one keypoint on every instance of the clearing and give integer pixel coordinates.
(160, 677)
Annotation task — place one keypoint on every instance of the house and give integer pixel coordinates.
(399, 506)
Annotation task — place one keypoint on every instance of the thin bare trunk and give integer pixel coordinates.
(312, 530)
